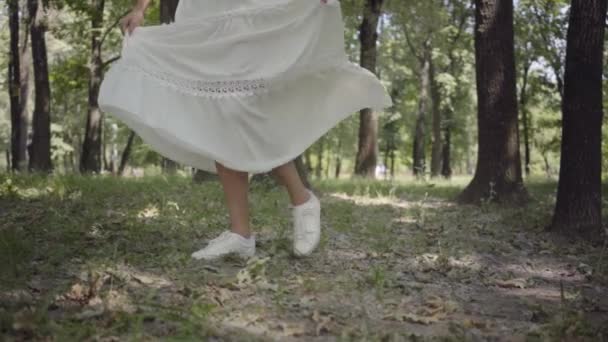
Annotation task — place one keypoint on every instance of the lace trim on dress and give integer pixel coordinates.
(213, 89)
(236, 88)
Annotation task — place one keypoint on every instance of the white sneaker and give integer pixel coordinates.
(228, 242)
(307, 225)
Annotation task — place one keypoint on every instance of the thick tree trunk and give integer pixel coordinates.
(436, 110)
(578, 211)
(523, 102)
(367, 155)
(17, 89)
(90, 159)
(498, 175)
(419, 152)
(40, 159)
(167, 11)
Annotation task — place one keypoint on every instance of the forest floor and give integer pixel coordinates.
(108, 259)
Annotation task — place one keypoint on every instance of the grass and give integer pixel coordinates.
(101, 257)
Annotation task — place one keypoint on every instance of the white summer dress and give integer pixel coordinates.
(248, 83)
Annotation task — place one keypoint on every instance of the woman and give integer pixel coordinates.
(236, 87)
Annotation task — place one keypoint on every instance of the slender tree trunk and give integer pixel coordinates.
(307, 161)
(578, 211)
(436, 110)
(338, 159)
(419, 153)
(91, 149)
(320, 150)
(126, 153)
(523, 102)
(167, 15)
(393, 163)
(498, 176)
(446, 165)
(41, 125)
(367, 154)
(17, 89)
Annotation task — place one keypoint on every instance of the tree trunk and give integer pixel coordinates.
(8, 160)
(90, 159)
(126, 153)
(167, 15)
(307, 161)
(320, 149)
(40, 159)
(436, 110)
(523, 101)
(18, 89)
(578, 211)
(498, 175)
(367, 154)
(167, 11)
(338, 159)
(419, 153)
(446, 165)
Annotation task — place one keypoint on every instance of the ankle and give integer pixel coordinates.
(301, 197)
(244, 233)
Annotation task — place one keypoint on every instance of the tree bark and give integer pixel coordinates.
(18, 89)
(446, 165)
(40, 159)
(367, 154)
(90, 159)
(498, 175)
(437, 146)
(167, 15)
(578, 211)
(419, 152)
(126, 153)
(320, 150)
(523, 102)
(338, 159)
(167, 10)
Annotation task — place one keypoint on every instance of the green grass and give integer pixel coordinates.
(136, 235)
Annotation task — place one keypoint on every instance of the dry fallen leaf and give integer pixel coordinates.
(517, 283)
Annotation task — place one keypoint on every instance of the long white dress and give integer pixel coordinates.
(248, 83)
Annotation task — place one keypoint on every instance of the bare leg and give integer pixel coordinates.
(236, 186)
(288, 176)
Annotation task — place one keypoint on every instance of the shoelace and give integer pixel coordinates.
(220, 238)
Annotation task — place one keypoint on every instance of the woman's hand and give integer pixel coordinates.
(132, 20)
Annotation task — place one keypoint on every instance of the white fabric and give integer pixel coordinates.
(248, 83)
